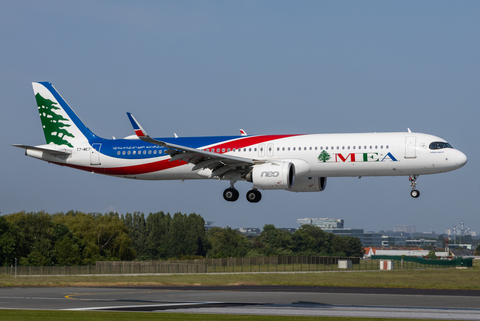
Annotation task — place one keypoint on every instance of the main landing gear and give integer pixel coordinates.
(254, 196)
(231, 195)
(413, 183)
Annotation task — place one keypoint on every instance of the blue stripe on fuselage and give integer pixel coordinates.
(138, 149)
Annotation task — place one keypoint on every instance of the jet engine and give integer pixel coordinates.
(309, 184)
(275, 175)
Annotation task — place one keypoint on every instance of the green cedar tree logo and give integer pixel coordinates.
(324, 156)
(53, 126)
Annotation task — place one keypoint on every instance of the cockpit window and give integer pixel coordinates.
(439, 145)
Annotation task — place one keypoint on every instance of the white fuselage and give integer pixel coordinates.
(344, 155)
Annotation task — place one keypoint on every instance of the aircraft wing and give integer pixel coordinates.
(53, 152)
(220, 164)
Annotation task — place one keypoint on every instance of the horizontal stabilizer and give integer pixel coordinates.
(53, 152)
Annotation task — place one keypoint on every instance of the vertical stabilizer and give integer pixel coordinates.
(61, 125)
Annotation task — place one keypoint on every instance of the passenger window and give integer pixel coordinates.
(353, 147)
(386, 147)
(343, 147)
(316, 147)
(326, 147)
(288, 148)
(293, 148)
(381, 146)
(283, 149)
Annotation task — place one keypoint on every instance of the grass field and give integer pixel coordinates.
(420, 279)
(26, 315)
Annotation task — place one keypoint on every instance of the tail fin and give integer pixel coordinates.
(61, 125)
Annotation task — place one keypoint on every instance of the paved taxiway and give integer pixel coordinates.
(268, 300)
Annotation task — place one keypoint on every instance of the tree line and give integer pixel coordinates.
(76, 238)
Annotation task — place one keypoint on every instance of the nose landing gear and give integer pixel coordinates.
(413, 183)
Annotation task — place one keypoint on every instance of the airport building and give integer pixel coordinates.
(354, 232)
(322, 223)
(405, 229)
(250, 230)
(388, 241)
(372, 239)
(208, 225)
(422, 243)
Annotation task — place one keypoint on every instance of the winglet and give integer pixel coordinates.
(139, 131)
(243, 133)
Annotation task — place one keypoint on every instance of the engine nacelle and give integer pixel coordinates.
(276, 175)
(309, 184)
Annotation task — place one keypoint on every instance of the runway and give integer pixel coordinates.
(254, 300)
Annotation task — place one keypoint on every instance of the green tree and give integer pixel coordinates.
(431, 255)
(227, 242)
(311, 240)
(477, 250)
(102, 237)
(67, 247)
(355, 247)
(36, 247)
(10, 241)
(273, 241)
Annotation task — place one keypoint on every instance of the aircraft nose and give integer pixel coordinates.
(460, 159)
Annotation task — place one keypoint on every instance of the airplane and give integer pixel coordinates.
(295, 163)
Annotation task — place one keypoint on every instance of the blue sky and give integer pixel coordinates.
(201, 68)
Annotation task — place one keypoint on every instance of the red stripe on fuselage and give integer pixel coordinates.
(166, 164)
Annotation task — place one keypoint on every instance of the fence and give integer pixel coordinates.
(228, 265)
(457, 262)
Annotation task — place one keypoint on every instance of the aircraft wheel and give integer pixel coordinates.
(254, 196)
(231, 194)
(414, 193)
